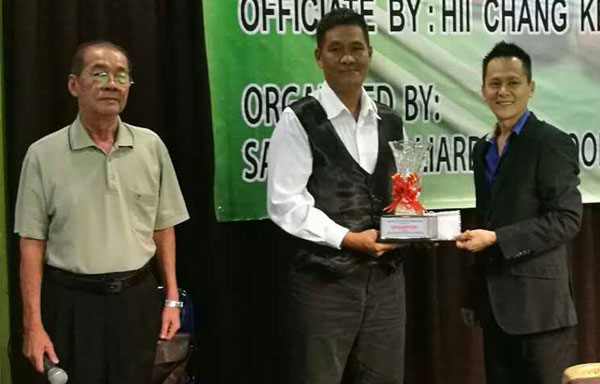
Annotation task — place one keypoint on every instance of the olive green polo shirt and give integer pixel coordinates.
(98, 211)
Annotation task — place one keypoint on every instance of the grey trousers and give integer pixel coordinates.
(347, 329)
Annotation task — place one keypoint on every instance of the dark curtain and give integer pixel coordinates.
(234, 271)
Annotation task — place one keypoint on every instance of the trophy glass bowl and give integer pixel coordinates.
(409, 157)
(406, 218)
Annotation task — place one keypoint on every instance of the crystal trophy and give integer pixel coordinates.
(406, 218)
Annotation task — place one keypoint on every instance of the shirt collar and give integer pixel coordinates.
(516, 129)
(79, 138)
(333, 106)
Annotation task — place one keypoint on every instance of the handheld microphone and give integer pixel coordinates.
(56, 375)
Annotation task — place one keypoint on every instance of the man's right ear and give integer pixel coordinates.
(318, 57)
(72, 85)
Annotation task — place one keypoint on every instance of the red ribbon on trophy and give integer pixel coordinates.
(405, 193)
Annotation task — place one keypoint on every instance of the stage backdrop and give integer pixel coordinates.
(4, 286)
(426, 64)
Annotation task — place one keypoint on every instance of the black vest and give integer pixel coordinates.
(343, 190)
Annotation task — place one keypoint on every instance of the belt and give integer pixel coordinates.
(105, 283)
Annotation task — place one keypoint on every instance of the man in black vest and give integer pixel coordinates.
(329, 179)
(528, 208)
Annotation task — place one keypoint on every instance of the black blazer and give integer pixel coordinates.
(535, 208)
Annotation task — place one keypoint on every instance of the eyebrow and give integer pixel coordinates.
(105, 67)
(351, 43)
(508, 77)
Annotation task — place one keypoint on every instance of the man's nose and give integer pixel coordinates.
(112, 82)
(347, 58)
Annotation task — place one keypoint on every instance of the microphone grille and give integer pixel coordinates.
(57, 376)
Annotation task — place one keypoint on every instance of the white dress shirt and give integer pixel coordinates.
(289, 159)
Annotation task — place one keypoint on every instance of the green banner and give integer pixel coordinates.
(426, 64)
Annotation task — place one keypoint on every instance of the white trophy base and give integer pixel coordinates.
(431, 226)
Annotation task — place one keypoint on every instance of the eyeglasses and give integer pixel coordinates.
(103, 78)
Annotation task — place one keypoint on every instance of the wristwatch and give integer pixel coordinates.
(173, 304)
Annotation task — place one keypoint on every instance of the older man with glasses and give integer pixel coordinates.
(97, 200)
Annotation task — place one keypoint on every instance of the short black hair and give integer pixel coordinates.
(77, 61)
(337, 17)
(504, 49)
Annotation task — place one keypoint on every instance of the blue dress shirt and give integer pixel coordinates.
(492, 159)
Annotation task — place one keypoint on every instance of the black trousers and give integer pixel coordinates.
(535, 358)
(104, 338)
(347, 329)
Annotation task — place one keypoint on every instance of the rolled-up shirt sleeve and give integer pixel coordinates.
(289, 203)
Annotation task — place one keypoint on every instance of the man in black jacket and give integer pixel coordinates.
(528, 208)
